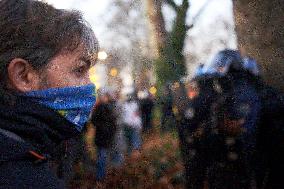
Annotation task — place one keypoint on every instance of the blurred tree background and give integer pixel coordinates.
(151, 42)
(157, 38)
(129, 42)
(156, 41)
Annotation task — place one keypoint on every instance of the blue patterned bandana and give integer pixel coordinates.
(73, 103)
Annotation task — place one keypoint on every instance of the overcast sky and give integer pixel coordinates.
(203, 36)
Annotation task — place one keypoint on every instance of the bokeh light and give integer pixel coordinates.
(102, 55)
(153, 90)
(113, 72)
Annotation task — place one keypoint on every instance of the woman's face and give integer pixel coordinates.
(66, 69)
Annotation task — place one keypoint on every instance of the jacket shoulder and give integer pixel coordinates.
(26, 174)
(19, 168)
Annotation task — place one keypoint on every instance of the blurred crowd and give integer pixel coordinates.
(119, 122)
(229, 122)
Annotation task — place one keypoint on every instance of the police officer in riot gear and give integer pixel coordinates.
(219, 124)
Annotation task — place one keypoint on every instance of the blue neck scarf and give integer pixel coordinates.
(73, 103)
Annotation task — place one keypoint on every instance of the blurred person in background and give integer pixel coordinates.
(146, 106)
(220, 124)
(269, 158)
(194, 121)
(166, 103)
(131, 119)
(235, 123)
(46, 95)
(104, 120)
(118, 146)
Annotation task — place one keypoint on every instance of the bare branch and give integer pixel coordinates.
(172, 4)
(185, 3)
(199, 13)
(188, 27)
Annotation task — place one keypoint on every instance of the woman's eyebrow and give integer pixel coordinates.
(91, 58)
(86, 60)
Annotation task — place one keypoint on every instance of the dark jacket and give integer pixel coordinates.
(104, 120)
(29, 133)
(146, 107)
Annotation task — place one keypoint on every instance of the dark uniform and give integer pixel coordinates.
(231, 130)
(234, 145)
(219, 126)
(194, 119)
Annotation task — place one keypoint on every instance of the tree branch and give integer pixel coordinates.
(188, 27)
(172, 4)
(185, 3)
(199, 13)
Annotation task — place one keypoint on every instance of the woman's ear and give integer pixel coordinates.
(22, 76)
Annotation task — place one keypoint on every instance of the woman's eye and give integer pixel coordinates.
(81, 70)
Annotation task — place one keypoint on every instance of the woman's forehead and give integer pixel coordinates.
(90, 56)
(82, 52)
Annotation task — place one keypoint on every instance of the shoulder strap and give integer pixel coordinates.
(30, 155)
(11, 135)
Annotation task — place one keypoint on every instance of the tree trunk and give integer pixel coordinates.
(157, 26)
(177, 39)
(170, 63)
(260, 31)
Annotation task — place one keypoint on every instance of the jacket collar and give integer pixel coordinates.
(34, 123)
